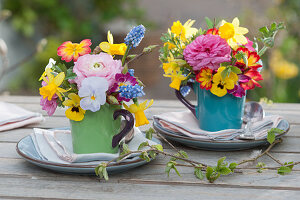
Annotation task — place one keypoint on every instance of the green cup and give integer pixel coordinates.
(99, 132)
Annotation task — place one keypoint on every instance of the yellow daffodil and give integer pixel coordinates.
(111, 48)
(74, 112)
(184, 31)
(282, 68)
(52, 86)
(233, 33)
(176, 78)
(138, 111)
(49, 66)
(170, 45)
(220, 85)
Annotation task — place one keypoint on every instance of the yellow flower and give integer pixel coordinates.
(111, 48)
(282, 68)
(75, 112)
(184, 31)
(52, 86)
(232, 33)
(176, 78)
(138, 111)
(220, 86)
(170, 45)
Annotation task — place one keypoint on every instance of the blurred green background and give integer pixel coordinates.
(57, 21)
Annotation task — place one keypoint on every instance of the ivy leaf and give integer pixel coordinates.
(149, 133)
(144, 156)
(232, 166)
(183, 154)
(198, 173)
(220, 162)
(283, 170)
(152, 154)
(224, 171)
(209, 171)
(158, 147)
(101, 171)
(171, 165)
(125, 148)
(271, 137)
(209, 23)
(143, 144)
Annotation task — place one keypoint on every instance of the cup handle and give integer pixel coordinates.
(185, 102)
(128, 125)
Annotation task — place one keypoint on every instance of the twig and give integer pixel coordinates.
(276, 160)
(260, 155)
(136, 57)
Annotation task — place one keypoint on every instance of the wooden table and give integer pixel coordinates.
(22, 180)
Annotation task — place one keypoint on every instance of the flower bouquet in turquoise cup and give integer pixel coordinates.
(94, 89)
(220, 64)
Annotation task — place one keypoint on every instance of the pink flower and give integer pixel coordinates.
(100, 65)
(207, 51)
(49, 106)
(249, 45)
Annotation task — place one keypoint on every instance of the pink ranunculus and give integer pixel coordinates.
(49, 106)
(249, 45)
(207, 51)
(100, 65)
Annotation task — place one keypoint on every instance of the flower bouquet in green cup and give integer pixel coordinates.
(94, 89)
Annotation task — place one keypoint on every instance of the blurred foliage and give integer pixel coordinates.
(61, 20)
(281, 65)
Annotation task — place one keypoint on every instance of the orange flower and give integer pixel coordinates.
(252, 58)
(69, 50)
(213, 31)
(204, 77)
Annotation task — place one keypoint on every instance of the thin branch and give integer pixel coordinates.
(260, 155)
(276, 160)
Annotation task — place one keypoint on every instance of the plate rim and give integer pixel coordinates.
(30, 159)
(167, 132)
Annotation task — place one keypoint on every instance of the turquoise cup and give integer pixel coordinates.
(215, 113)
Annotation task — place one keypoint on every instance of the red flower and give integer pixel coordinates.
(212, 31)
(69, 50)
(252, 58)
(254, 77)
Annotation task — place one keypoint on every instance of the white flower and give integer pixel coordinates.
(93, 93)
(50, 64)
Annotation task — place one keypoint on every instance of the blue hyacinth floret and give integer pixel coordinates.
(131, 91)
(131, 72)
(135, 36)
(185, 90)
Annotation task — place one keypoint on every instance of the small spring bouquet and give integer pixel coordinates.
(221, 59)
(94, 79)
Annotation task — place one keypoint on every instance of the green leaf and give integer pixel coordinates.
(131, 56)
(152, 154)
(112, 100)
(183, 153)
(158, 147)
(232, 166)
(224, 170)
(289, 163)
(149, 48)
(105, 174)
(284, 170)
(236, 70)
(220, 161)
(209, 171)
(143, 144)
(149, 133)
(209, 23)
(271, 137)
(264, 30)
(125, 148)
(144, 156)
(198, 173)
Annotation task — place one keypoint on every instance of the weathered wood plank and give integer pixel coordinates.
(23, 187)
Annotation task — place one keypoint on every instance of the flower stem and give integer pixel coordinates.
(125, 54)
(262, 51)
